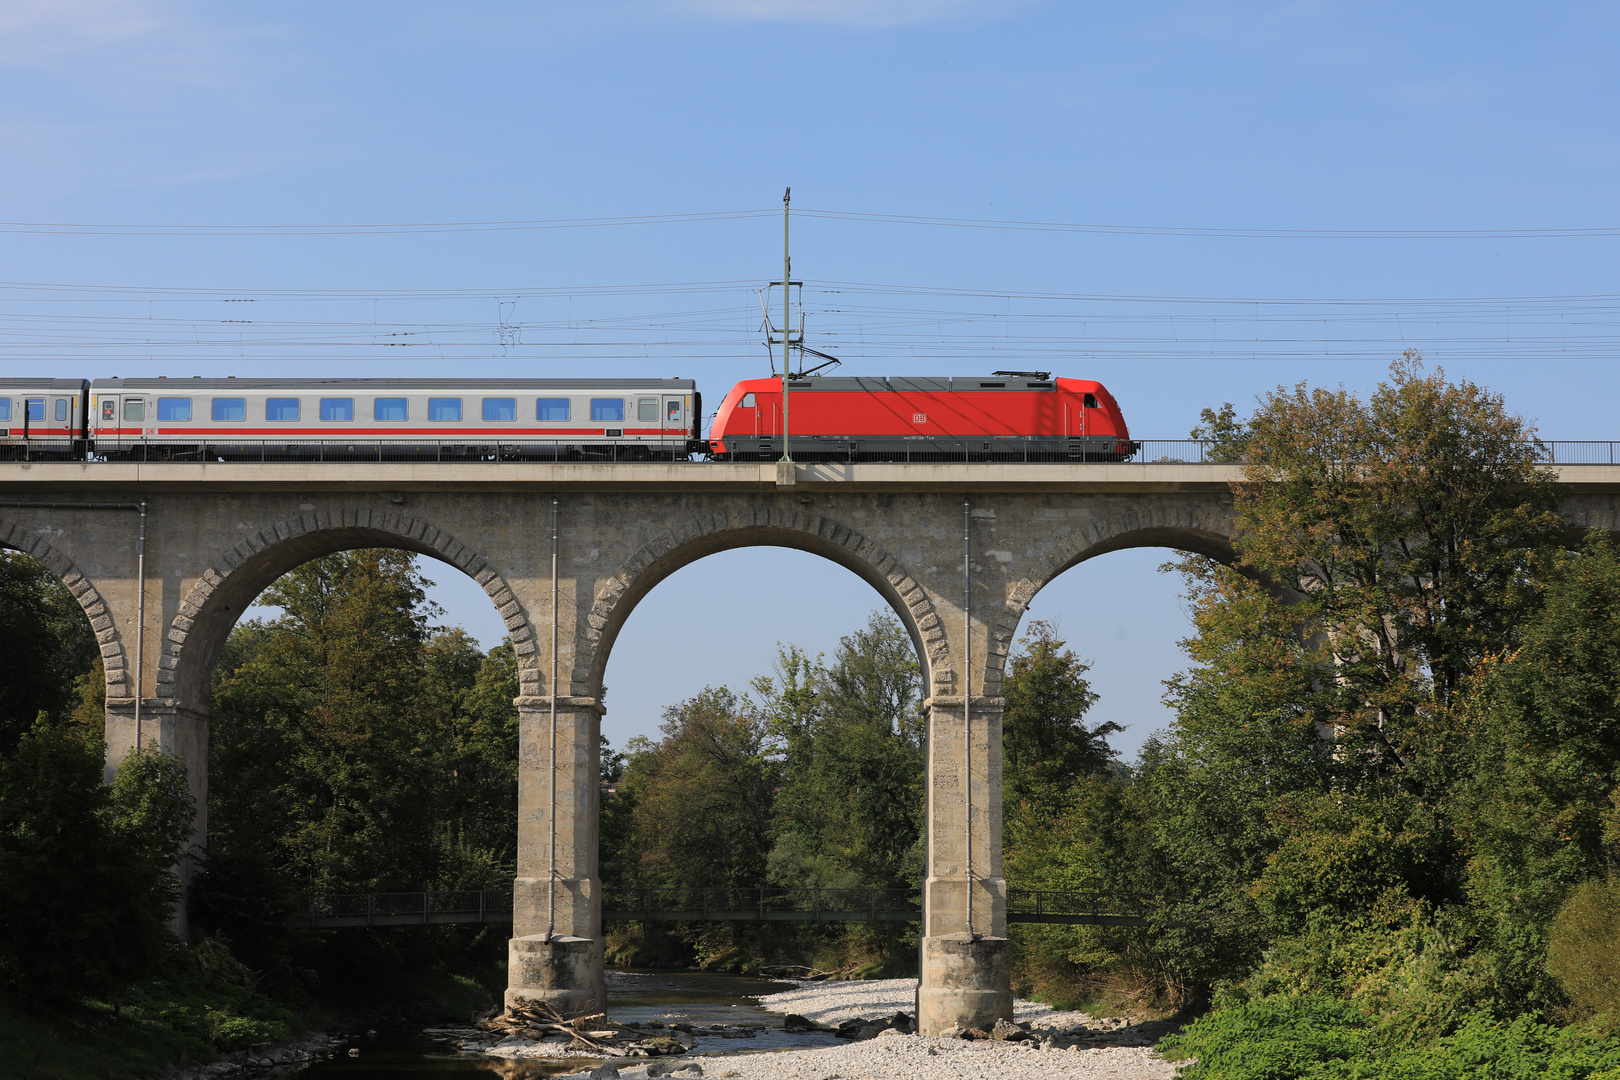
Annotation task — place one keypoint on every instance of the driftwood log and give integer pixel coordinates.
(590, 1031)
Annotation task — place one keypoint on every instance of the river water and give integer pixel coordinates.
(694, 997)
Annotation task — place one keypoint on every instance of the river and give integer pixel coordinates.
(694, 997)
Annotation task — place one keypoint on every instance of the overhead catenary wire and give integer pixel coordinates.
(869, 217)
(948, 325)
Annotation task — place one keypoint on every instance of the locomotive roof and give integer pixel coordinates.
(180, 383)
(912, 383)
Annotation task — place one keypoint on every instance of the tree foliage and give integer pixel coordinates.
(1408, 528)
(1046, 746)
(47, 645)
(355, 746)
(88, 868)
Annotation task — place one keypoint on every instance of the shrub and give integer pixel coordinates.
(1583, 947)
(1275, 1038)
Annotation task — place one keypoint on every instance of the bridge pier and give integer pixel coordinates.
(556, 951)
(965, 980)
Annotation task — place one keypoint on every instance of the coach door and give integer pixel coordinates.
(674, 422)
(134, 416)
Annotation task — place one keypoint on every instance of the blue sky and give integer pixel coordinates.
(1390, 154)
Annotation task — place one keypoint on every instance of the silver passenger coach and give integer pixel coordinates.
(42, 418)
(394, 419)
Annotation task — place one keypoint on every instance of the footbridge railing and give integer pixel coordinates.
(718, 904)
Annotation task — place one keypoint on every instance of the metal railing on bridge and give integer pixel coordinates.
(405, 909)
(765, 904)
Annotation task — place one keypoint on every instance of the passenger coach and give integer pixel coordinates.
(42, 418)
(395, 419)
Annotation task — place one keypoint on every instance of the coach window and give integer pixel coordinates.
(134, 409)
(337, 410)
(61, 410)
(281, 410)
(226, 409)
(551, 408)
(445, 410)
(174, 409)
(499, 409)
(5, 409)
(607, 410)
(1091, 401)
(647, 410)
(390, 410)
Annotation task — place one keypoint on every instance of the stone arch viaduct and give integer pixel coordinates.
(217, 534)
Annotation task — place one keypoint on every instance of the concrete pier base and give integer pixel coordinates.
(564, 972)
(966, 983)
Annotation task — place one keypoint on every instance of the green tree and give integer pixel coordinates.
(1046, 746)
(88, 868)
(1409, 528)
(852, 734)
(357, 747)
(703, 795)
(47, 644)
(1541, 738)
(1387, 548)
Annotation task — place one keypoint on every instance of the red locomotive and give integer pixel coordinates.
(1011, 416)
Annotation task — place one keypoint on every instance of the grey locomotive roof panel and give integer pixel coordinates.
(846, 384)
(180, 385)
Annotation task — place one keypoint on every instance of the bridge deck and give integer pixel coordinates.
(1097, 477)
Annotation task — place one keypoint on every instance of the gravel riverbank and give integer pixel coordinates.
(1058, 1045)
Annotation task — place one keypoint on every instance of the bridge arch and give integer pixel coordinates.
(227, 587)
(119, 681)
(816, 534)
(1199, 528)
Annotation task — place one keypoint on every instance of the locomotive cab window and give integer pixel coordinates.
(337, 410)
(174, 410)
(61, 410)
(647, 410)
(227, 409)
(551, 408)
(748, 401)
(134, 409)
(1091, 401)
(499, 409)
(607, 410)
(281, 410)
(390, 410)
(444, 410)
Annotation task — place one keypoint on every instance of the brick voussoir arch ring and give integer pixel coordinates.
(111, 645)
(243, 570)
(765, 527)
(1204, 527)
